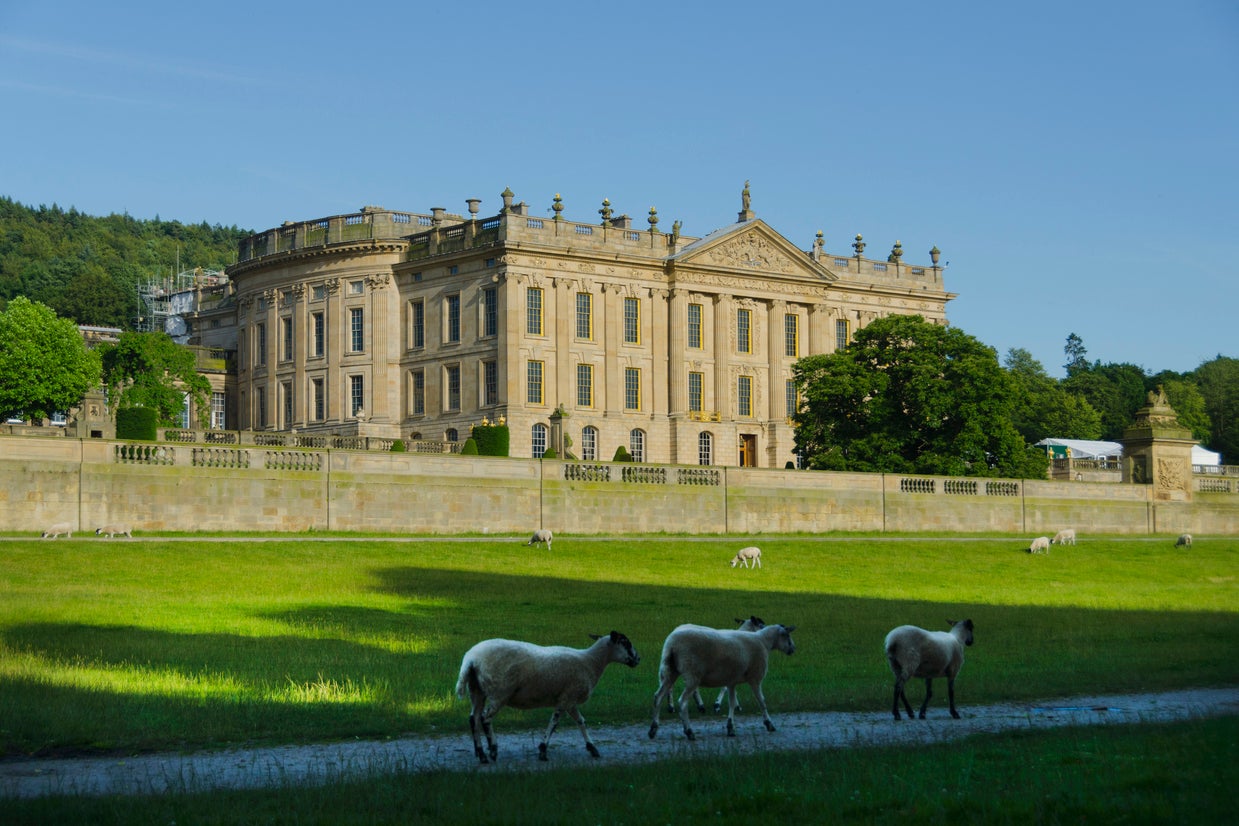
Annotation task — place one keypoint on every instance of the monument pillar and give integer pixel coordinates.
(1157, 451)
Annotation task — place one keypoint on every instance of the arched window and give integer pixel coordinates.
(636, 445)
(539, 440)
(589, 443)
(451, 435)
(705, 449)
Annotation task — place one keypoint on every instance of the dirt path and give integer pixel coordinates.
(293, 765)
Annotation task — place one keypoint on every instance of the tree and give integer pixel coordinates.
(152, 370)
(1075, 352)
(1188, 403)
(45, 366)
(1116, 391)
(1041, 408)
(907, 396)
(1218, 381)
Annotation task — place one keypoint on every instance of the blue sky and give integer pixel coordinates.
(1076, 162)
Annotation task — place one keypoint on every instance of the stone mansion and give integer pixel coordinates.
(581, 336)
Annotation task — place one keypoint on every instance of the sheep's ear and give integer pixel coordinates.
(951, 623)
(595, 637)
(789, 628)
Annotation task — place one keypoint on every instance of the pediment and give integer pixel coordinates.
(751, 248)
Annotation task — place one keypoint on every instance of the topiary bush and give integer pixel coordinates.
(550, 453)
(397, 446)
(137, 423)
(492, 439)
(621, 455)
(469, 448)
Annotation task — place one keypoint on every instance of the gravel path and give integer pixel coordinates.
(293, 765)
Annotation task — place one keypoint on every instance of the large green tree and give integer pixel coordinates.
(152, 370)
(907, 396)
(1218, 380)
(1116, 391)
(45, 365)
(1041, 408)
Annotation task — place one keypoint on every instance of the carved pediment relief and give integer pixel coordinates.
(755, 249)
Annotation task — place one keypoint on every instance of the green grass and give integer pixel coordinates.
(124, 646)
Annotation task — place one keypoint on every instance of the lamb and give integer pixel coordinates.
(753, 623)
(498, 673)
(915, 652)
(541, 535)
(745, 554)
(55, 530)
(1067, 536)
(114, 530)
(1184, 541)
(718, 659)
(1040, 545)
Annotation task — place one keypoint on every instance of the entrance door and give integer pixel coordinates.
(748, 450)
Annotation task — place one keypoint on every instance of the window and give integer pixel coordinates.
(490, 382)
(417, 385)
(694, 327)
(357, 330)
(318, 292)
(792, 399)
(636, 445)
(705, 449)
(533, 311)
(182, 417)
(533, 383)
(585, 316)
(452, 333)
(286, 390)
(490, 311)
(318, 399)
(585, 385)
(632, 321)
(218, 421)
(319, 324)
(260, 408)
(538, 437)
(696, 392)
(356, 287)
(841, 333)
(452, 377)
(632, 388)
(791, 335)
(417, 324)
(286, 328)
(744, 396)
(589, 443)
(451, 435)
(356, 394)
(744, 331)
(260, 336)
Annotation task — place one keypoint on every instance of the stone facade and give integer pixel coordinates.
(680, 349)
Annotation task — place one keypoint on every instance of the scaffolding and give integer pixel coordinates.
(165, 300)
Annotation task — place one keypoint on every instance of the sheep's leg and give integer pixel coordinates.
(929, 692)
(718, 703)
(663, 693)
(689, 686)
(474, 725)
(580, 723)
(732, 705)
(761, 703)
(488, 726)
(950, 691)
(901, 692)
(547, 737)
(701, 705)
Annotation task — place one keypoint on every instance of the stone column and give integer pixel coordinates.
(1157, 451)
(722, 357)
(775, 394)
(677, 353)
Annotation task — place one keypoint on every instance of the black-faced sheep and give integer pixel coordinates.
(114, 530)
(1040, 545)
(1184, 541)
(542, 536)
(498, 673)
(914, 652)
(716, 658)
(1067, 536)
(753, 623)
(745, 555)
(57, 529)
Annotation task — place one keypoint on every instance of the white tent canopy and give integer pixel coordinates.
(1090, 449)
(1204, 456)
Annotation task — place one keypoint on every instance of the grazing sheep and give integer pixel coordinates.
(743, 556)
(718, 659)
(915, 652)
(114, 530)
(753, 623)
(1184, 541)
(1040, 545)
(57, 529)
(541, 535)
(1067, 536)
(498, 673)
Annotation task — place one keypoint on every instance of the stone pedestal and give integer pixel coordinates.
(1157, 451)
(91, 420)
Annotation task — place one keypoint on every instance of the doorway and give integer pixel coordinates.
(748, 450)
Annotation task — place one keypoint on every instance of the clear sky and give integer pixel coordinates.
(1077, 162)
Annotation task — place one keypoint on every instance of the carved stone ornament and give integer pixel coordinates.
(750, 251)
(1171, 474)
(332, 285)
(378, 280)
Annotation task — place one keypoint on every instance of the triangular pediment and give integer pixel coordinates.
(750, 248)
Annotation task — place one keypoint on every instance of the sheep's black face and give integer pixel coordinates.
(632, 658)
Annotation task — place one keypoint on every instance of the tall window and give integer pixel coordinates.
(417, 324)
(636, 445)
(453, 318)
(694, 326)
(319, 400)
(744, 396)
(356, 394)
(357, 329)
(418, 388)
(744, 331)
(452, 375)
(286, 328)
(632, 388)
(260, 407)
(791, 335)
(632, 321)
(585, 385)
(319, 324)
(286, 389)
(490, 312)
(490, 382)
(841, 333)
(705, 449)
(533, 383)
(696, 393)
(585, 316)
(538, 437)
(218, 421)
(533, 311)
(589, 443)
(260, 344)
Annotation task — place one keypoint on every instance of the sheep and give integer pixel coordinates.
(915, 652)
(114, 530)
(745, 554)
(718, 658)
(1067, 536)
(55, 530)
(1040, 545)
(541, 535)
(1184, 541)
(498, 673)
(753, 623)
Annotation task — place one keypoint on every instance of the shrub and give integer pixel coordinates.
(492, 440)
(469, 448)
(137, 423)
(397, 446)
(550, 453)
(621, 455)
